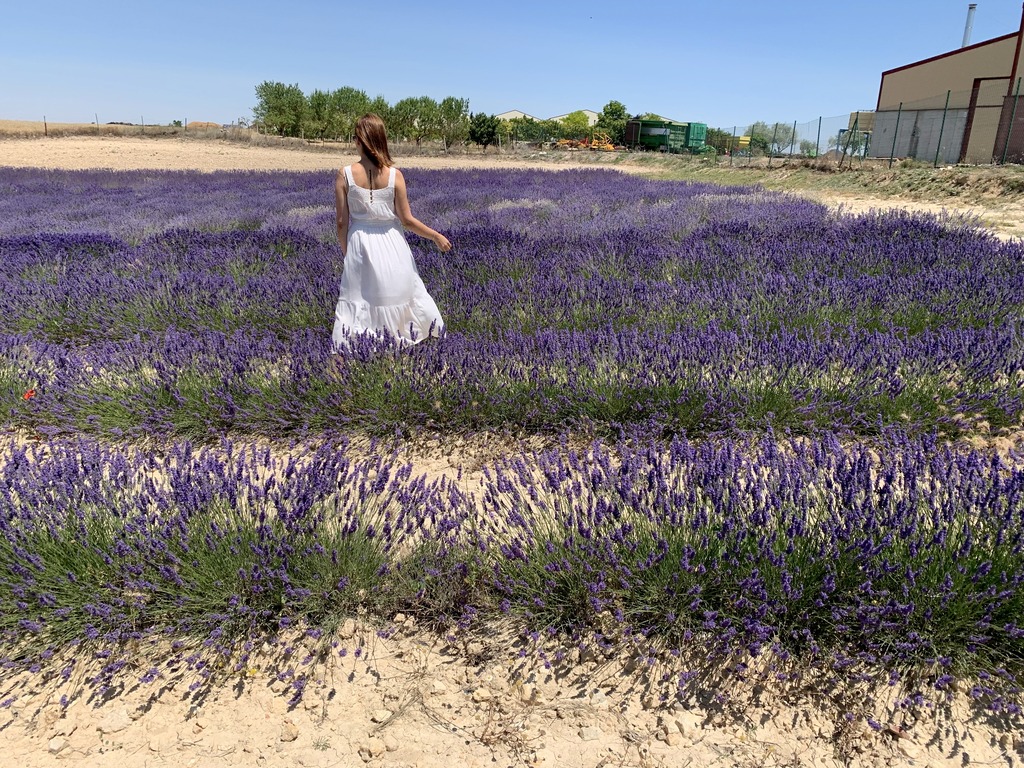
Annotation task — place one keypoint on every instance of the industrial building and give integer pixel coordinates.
(960, 106)
(591, 116)
(516, 113)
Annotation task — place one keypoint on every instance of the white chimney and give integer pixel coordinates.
(969, 25)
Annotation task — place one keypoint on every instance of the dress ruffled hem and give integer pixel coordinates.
(409, 323)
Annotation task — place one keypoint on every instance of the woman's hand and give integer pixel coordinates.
(442, 242)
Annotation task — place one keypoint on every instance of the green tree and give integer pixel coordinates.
(770, 139)
(380, 107)
(280, 108)
(529, 130)
(416, 118)
(403, 116)
(318, 118)
(524, 129)
(552, 129)
(612, 120)
(453, 120)
(483, 129)
(505, 129)
(808, 148)
(575, 125)
(347, 105)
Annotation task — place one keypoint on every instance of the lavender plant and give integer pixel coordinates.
(187, 307)
(908, 559)
(584, 300)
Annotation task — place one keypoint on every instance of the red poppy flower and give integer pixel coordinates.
(29, 394)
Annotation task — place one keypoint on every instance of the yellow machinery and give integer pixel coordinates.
(601, 142)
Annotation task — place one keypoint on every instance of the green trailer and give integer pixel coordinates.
(666, 135)
(697, 137)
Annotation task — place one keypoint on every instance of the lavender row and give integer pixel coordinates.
(894, 556)
(585, 298)
(691, 380)
(134, 205)
(533, 250)
(603, 249)
(889, 273)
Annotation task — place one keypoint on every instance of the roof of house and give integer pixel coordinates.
(587, 112)
(511, 113)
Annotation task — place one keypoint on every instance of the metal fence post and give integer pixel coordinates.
(817, 141)
(849, 138)
(942, 127)
(771, 149)
(895, 133)
(792, 143)
(1013, 116)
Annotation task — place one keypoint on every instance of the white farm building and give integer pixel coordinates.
(514, 113)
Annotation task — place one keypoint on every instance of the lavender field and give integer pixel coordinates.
(773, 399)
(190, 306)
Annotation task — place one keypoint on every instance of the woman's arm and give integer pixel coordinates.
(341, 208)
(411, 222)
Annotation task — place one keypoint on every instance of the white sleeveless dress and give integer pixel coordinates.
(381, 291)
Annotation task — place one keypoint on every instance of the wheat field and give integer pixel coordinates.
(34, 128)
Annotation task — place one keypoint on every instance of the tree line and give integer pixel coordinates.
(285, 110)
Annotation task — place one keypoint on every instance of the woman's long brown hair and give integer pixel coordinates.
(371, 133)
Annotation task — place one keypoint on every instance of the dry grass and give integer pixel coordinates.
(32, 129)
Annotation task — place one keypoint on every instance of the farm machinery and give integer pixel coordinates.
(666, 136)
(596, 142)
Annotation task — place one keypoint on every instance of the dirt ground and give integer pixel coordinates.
(414, 700)
(1003, 218)
(131, 153)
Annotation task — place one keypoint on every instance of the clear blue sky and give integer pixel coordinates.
(723, 63)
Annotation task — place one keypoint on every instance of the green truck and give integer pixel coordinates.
(666, 136)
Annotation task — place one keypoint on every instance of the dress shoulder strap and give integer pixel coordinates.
(391, 177)
(348, 175)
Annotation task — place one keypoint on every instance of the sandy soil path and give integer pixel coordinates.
(120, 153)
(414, 701)
(1003, 218)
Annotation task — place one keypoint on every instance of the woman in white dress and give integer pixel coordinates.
(381, 291)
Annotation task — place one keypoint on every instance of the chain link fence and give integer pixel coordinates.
(980, 126)
(818, 138)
